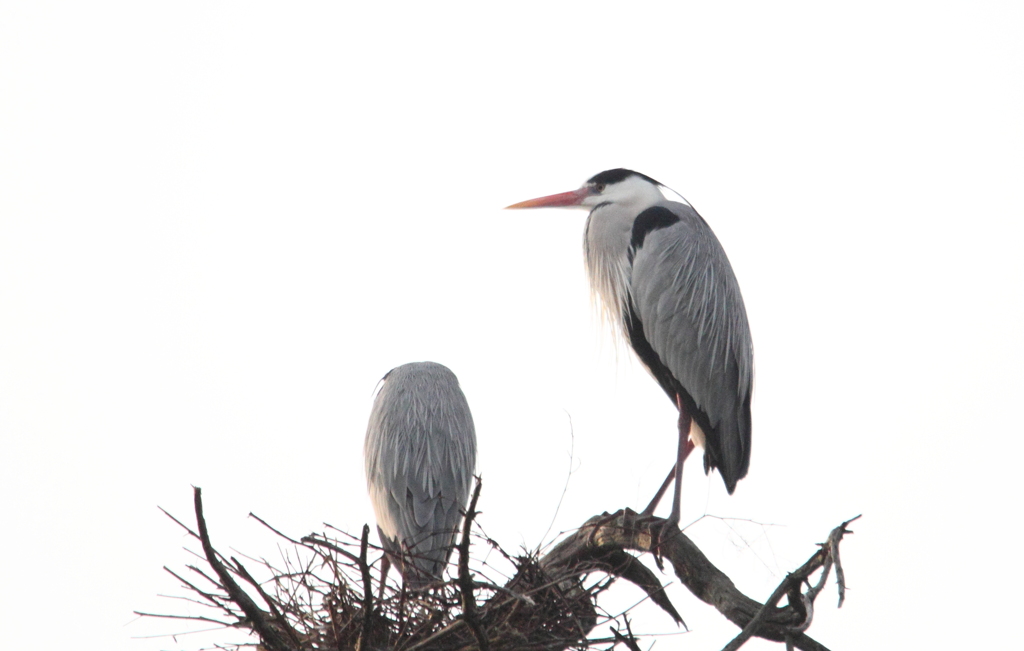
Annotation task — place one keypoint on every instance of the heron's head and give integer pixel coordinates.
(620, 187)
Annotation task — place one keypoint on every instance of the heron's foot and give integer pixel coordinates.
(660, 530)
(629, 521)
(623, 519)
(649, 532)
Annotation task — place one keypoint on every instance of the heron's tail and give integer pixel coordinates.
(421, 564)
(729, 451)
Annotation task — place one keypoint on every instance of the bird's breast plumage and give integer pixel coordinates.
(605, 248)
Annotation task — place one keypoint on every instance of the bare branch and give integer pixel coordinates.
(623, 530)
(216, 601)
(179, 523)
(193, 617)
(833, 540)
(269, 633)
(313, 539)
(469, 613)
(364, 568)
(790, 586)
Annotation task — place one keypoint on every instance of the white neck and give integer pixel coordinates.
(605, 247)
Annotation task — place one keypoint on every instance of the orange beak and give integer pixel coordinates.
(560, 200)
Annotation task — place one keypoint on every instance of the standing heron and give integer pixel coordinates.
(666, 284)
(420, 453)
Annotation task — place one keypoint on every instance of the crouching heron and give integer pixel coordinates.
(420, 453)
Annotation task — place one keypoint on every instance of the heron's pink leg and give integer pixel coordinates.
(649, 511)
(385, 565)
(685, 448)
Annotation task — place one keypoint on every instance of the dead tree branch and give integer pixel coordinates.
(802, 603)
(624, 530)
(364, 570)
(270, 631)
(469, 611)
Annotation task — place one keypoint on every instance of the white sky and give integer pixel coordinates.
(221, 224)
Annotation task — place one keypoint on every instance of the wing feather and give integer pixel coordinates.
(684, 295)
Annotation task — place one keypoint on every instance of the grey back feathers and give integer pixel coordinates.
(686, 298)
(665, 280)
(420, 454)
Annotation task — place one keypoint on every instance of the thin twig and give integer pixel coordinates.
(630, 642)
(469, 613)
(314, 540)
(628, 639)
(197, 618)
(264, 523)
(833, 540)
(275, 612)
(503, 590)
(271, 637)
(216, 601)
(568, 477)
(180, 523)
(425, 644)
(206, 576)
(364, 637)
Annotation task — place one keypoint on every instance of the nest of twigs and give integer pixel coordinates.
(326, 593)
(530, 612)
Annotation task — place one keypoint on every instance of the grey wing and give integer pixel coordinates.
(685, 298)
(420, 456)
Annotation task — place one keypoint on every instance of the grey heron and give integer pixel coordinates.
(420, 453)
(666, 284)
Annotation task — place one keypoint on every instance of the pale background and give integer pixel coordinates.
(221, 224)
